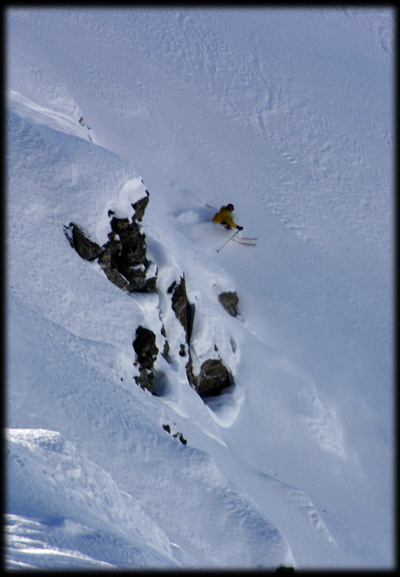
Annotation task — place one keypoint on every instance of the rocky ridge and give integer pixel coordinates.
(123, 258)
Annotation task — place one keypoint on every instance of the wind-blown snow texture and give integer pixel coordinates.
(288, 115)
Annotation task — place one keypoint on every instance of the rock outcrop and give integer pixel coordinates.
(213, 376)
(140, 206)
(230, 302)
(124, 261)
(178, 435)
(146, 355)
(183, 309)
(123, 258)
(86, 248)
(212, 379)
(125, 254)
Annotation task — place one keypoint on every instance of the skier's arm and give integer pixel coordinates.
(228, 220)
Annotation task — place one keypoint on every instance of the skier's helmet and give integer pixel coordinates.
(230, 207)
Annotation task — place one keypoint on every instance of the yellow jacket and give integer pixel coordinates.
(224, 217)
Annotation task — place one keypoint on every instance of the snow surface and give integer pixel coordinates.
(288, 115)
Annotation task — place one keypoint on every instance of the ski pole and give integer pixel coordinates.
(218, 249)
(209, 206)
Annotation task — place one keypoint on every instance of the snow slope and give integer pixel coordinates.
(288, 115)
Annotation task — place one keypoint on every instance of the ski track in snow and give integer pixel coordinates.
(142, 499)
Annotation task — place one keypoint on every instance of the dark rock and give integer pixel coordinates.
(182, 350)
(86, 248)
(176, 435)
(213, 378)
(183, 309)
(179, 436)
(133, 243)
(107, 263)
(145, 347)
(190, 320)
(166, 347)
(119, 225)
(180, 303)
(140, 206)
(171, 288)
(190, 374)
(123, 258)
(166, 350)
(150, 286)
(145, 380)
(230, 302)
(146, 354)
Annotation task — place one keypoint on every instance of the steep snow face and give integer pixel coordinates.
(42, 461)
(89, 363)
(286, 114)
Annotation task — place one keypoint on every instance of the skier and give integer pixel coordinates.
(224, 217)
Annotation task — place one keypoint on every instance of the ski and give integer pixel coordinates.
(243, 240)
(248, 238)
(245, 243)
